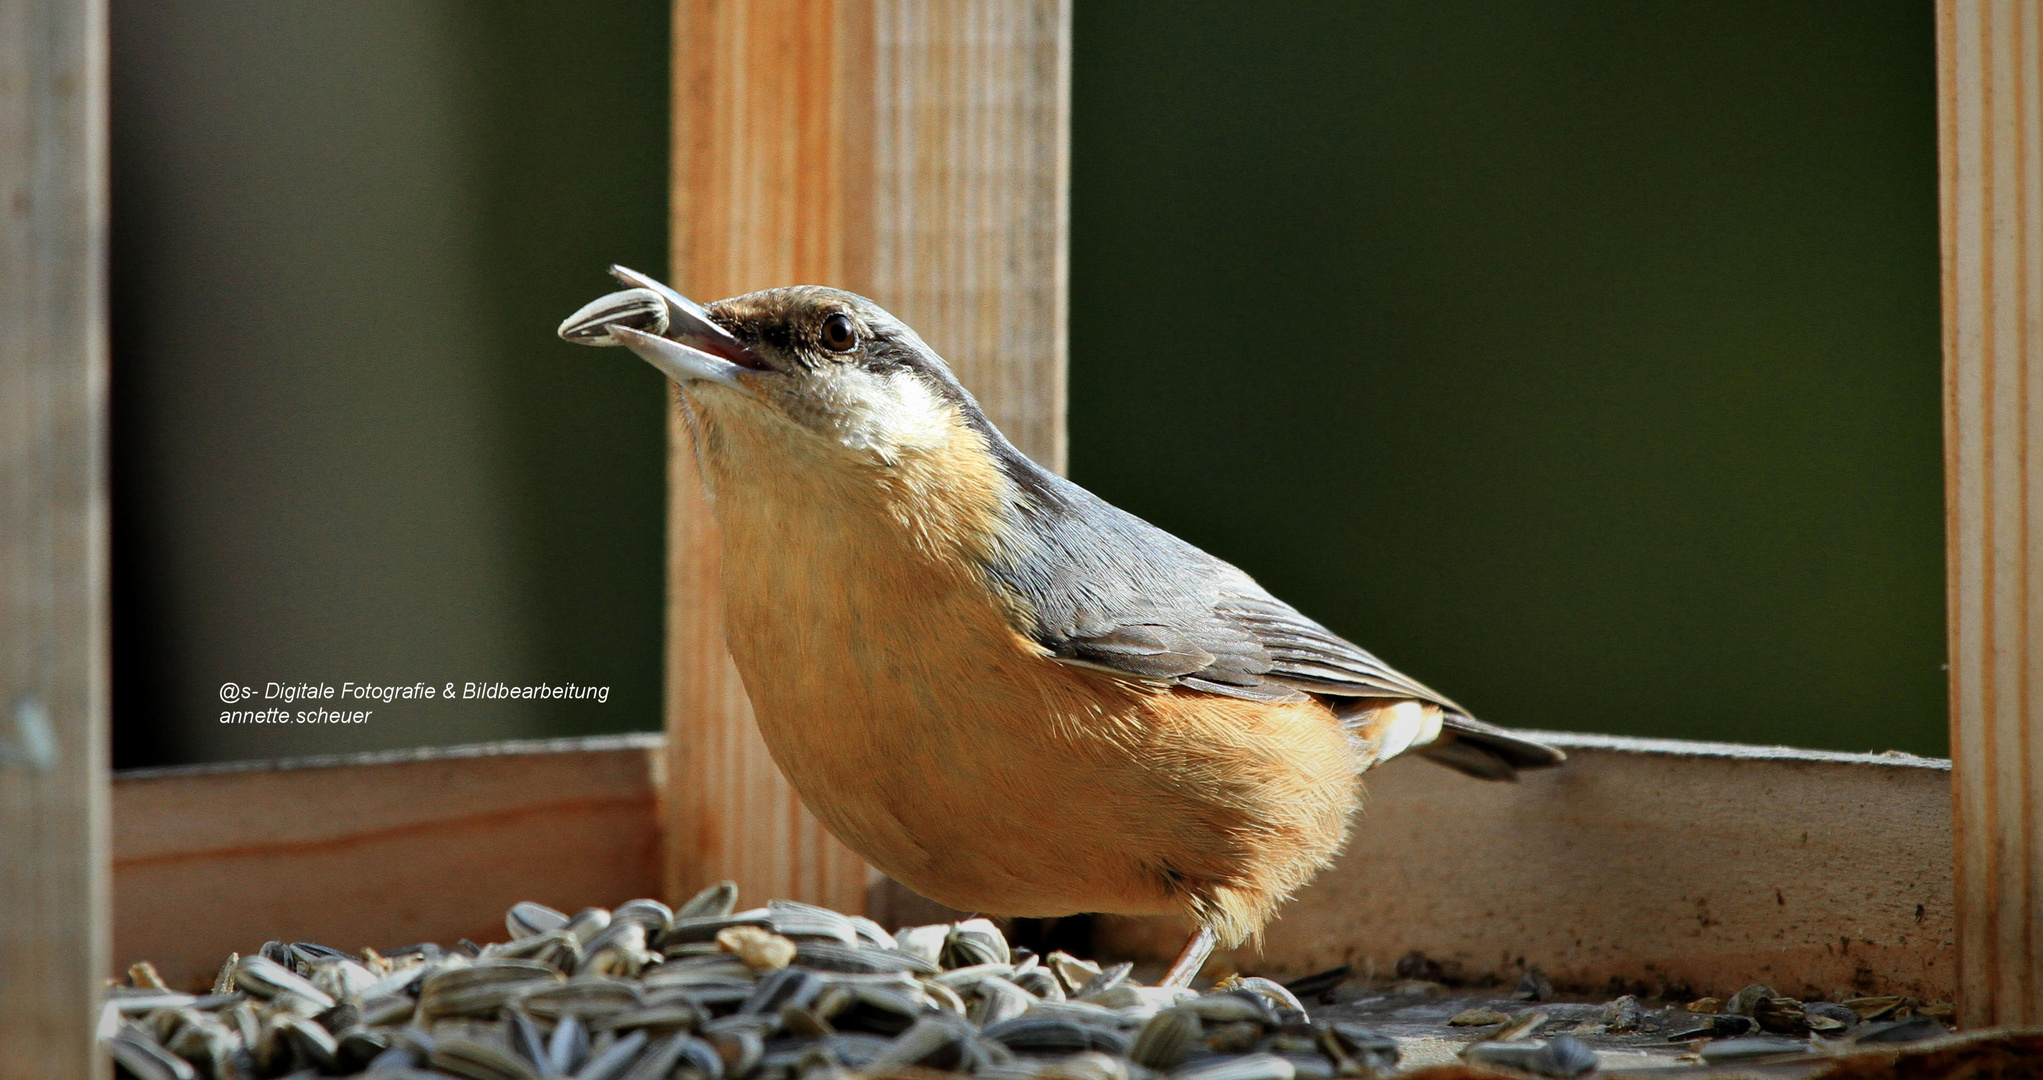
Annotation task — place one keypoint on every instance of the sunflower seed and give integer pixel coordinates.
(1272, 990)
(1744, 1001)
(1624, 1014)
(1564, 1057)
(870, 933)
(1898, 1031)
(526, 919)
(965, 979)
(974, 941)
(825, 956)
(1533, 986)
(777, 991)
(479, 1060)
(341, 978)
(132, 1002)
(357, 1046)
(556, 948)
(202, 1038)
(936, 1041)
(224, 981)
(1875, 1008)
(1826, 1016)
(568, 1047)
(618, 949)
(651, 914)
(482, 988)
(612, 1062)
(524, 1035)
(1040, 982)
(587, 996)
(1372, 1049)
(924, 942)
(998, 1000)
(310, 1043)
(740, 1049)
(716, 901)
(269, 980)
(1241, 1067)
(637, 309)
(1037, 1033)
(139, 1055)
(792, 920)
(1168, 1039)
(1104, 981)
(1227, 1008)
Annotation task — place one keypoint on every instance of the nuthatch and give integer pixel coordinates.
(999, 689)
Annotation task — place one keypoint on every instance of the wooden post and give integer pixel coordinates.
(53, 687)
(911, 151)
(971, 156)
(1989, 67)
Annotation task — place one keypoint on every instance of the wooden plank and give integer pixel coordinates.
(971, 162)
(379, 849)
(1989, 65)
(911, 152)
(53, 683)
(772, 105)
(1655, 862)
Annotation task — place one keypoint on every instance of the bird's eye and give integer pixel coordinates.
(839, 335)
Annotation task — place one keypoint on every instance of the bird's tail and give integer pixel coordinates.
(1387, 728)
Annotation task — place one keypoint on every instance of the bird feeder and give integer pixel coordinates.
(940, 131)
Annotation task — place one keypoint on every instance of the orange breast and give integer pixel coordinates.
(952, 753)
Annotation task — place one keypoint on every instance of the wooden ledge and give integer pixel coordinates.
(1648, 861)
(378, 849)
(1651, 863)
(1684, 748)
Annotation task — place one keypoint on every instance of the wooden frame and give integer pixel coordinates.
(1655, 862)
(910, 150)
(212, 859)
(1989, 67)
(936, 132)
(53, 637)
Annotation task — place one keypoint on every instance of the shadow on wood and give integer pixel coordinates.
(1650, 861)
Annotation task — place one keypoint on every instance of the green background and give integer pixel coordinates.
(1580, 359)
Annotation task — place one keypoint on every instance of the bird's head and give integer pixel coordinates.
(788, 366)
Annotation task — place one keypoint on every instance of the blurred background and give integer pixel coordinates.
(1581, 360)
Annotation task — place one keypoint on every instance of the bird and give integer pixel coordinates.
(998, 688)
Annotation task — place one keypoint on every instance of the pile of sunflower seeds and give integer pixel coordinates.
(784, 992)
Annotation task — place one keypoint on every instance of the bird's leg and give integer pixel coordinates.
(1186, 967)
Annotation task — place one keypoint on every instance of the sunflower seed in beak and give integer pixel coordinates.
(635, 309)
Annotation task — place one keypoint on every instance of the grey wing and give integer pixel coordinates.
(1110, 591)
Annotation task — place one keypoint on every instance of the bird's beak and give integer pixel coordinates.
(664, 328)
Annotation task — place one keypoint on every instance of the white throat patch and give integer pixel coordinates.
(887, 414)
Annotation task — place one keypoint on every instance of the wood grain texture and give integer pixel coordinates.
(1656, 862)
(971, 166)
(53, 681)
(772, 182)
(915, 153)
(377, 850)
(1989, 67)
(1650, 860)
